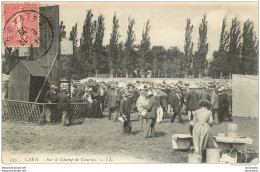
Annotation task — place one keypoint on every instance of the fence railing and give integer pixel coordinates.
(30, 112)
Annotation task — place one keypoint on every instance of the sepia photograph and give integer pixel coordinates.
(130, 83)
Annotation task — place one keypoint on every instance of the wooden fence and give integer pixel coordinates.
(30, 112)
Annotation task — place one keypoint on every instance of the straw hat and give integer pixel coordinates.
(53, 86)
(149, 93)
(220, 89)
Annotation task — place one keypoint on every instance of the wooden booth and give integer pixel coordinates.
(25, 81)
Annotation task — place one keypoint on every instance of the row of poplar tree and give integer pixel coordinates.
(238, 52)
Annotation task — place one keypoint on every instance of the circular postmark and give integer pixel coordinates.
(22, 30)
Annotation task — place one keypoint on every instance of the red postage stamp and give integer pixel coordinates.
(21, 24)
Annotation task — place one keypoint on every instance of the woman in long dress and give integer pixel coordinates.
(202, 134)
(95, 107)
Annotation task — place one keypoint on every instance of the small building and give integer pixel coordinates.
(25, 81)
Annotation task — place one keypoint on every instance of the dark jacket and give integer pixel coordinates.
(50, 96)
(175, 104)
(153, 104)
(192, 101)
(204, 95)
(163, 99)
(223, 100)
(125, 107)
(171, 98)
(63, 102)
(136, 95)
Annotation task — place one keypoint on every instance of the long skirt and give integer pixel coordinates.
(202, 137)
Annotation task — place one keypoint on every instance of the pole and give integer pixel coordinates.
(46, 77)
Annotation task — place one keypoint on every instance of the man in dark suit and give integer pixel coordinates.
(134, 97)
(175, 102)
(151, 112)
(192, 98)
(204, 94)
(63, 106)
(223, 106)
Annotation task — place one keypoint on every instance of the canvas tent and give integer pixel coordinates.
(245, 95)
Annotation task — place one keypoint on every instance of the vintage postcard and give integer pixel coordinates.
(130, 82)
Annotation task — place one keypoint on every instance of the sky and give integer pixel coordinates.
(167, 19)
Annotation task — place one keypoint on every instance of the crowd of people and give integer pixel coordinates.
(157, 101)
(203, 104)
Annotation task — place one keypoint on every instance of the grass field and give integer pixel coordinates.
(104, 138)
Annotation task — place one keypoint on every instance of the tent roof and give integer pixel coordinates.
(33, 67)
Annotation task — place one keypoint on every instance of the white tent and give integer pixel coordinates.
(245, 95)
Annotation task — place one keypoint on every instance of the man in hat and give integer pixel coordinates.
(175, 102)
(134, 97)
(151, 112)
(192, 98)
(214, 103)
(223, 103)
(63, 106)
(51, 95)
(142, 101)
(112, 103)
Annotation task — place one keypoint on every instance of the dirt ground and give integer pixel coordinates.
(103, 137)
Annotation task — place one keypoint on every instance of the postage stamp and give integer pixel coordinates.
(21, 24)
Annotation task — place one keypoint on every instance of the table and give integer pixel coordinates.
(234, 143)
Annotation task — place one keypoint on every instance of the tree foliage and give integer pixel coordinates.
(129, 47)
(113, 48)
(200, 55)
(144, 52)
